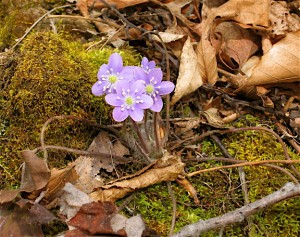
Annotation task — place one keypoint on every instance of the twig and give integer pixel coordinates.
(209, 133)
(223, 159)
(171, 193)
(289, 190)
(126, 201)
(242, 176)
(35, 23)
(76, 17)
(244, 164)
(42, 135)
(80, 152)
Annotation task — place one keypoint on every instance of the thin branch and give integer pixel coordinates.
(289, 190)
(223, 159)
(174, 207)
(244, 164)
(42, 135)
(209, 133)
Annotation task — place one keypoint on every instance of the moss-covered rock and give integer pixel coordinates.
(53, 77)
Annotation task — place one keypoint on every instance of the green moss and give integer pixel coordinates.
(52, 77)
(6, 26)
(220, 191)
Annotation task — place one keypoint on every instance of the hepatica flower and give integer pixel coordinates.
(146, 65)
(129, 100)
(110, 74)
(155, 87)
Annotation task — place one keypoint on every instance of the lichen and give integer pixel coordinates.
(53, 77)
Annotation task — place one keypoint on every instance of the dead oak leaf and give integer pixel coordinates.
(189, 78)
(280, 64)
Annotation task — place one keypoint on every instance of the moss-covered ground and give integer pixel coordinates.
(220, 191)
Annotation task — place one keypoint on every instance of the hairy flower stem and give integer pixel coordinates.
(155, 125)
(145, 125)
(137, 129)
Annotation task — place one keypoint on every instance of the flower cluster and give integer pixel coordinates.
(131, 89)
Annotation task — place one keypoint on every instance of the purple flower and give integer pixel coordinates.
(155, 87)
(146, 65)
(110, 74)
(129, 100)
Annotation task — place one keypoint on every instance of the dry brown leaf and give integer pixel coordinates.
(84, 5)
(24, 219)
(187, 185)
(58, 179)
(175, 8)
(165, 169)
(88, 168)
(234, 44)
(94, 219)
(185, 126)
(213, 117)
(282, 20)
(189, 78)
(206, 54)
(36, 174)
(251, 12)
(280, 64)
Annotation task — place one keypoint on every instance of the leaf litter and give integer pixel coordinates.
(252, 48)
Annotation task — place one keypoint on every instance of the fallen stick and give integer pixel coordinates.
(289, 190)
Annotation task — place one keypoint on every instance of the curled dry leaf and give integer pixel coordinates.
(280, 64)
(206, 54)
(234, 44)
(189, 78)
(35, 176)
(165, 169)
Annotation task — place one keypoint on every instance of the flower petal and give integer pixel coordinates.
(165, 87)
(128, 73)
(156, 75)
(144, 62)
(115, 62)
(120, 115)
(97, 88)
(137, 114)
(103, 71)
(138, 87)
(151, 65)
(114, 100)
(140, 74)
(120, 85)
(147, 102)
(157, 105)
